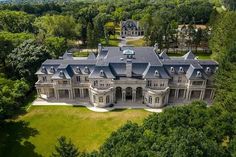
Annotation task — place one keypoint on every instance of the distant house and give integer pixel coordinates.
(184, 34)
(127, 75)
(131, 28)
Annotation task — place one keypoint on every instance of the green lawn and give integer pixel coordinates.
(138, 43)
(113, 41)
(87, 129)
(80, 54)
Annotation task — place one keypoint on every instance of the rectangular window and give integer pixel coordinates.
(101, 99)
(78, 78)
(150, 99)
(95, 83)
(149, 83)
(157, 100)
(86, 78)
(64, 82)
(179, 79)
(44, 79)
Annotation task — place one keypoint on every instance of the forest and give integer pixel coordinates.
(32, 32)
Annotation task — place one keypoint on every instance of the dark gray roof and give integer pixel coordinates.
(189, 55)
(91, 56)
(163, 55)
(111, 62)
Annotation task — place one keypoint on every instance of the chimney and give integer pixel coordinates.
(99, 48)
(129, 68)
(155, 49)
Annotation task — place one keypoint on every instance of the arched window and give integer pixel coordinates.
(108, 99)
(150, 99)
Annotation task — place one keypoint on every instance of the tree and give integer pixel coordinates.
(16, 21)
(65, 148)
(56, 45)
(5, 48)
(27, 58)
(92, 37)
(16, 38)
(58, 25)
(222, 39)
(12, 96)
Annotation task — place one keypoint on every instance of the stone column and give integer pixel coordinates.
(57, 94)
(123, 95)
(70, 96)
(202, 94)
(133, 95)
(189, 95)
(81, 90)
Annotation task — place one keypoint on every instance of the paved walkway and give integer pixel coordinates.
(85, 103)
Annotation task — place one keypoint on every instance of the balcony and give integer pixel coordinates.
(62, 85)
(40, 83)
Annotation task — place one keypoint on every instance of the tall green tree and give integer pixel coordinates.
(27, 58)
(56, 45)
(12, 96)
(58, 25)
(6, 47)
(65, 148)
(16, 21)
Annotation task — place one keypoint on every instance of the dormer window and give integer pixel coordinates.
(61, 74)
(181, 70)
(86, 70)
(52, 70)
(78, 70)
(208, 70)
(102, 74)
(44, 70)
(156, 73)
(172, 69)
(199, 74)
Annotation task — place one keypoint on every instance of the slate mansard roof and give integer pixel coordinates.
(146, 64)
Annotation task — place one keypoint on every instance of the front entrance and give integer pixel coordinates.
(128, 93)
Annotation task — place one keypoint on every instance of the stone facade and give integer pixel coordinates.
(119, 75)
(130, 28)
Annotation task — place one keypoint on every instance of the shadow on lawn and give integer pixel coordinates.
(13, 136)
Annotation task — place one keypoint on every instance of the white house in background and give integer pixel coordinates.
(127, 74)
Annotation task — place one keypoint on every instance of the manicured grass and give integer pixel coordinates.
(81, 54)
(87, 129)
(138, 43)
(113, 41)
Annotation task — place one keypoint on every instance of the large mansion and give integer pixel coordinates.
(127, 74)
